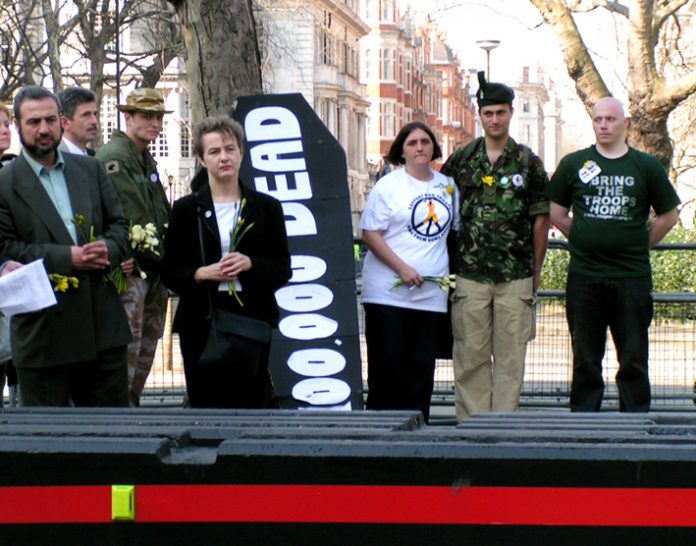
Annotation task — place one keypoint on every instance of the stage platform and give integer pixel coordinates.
(164, 476)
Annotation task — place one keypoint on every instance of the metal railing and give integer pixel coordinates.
(549, 356)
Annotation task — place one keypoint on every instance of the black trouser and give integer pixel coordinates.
(401, 349)
(624, 306)
(102, 382)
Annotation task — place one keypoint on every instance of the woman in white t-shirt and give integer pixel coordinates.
(405, 225)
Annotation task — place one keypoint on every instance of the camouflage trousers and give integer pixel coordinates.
(146, 304)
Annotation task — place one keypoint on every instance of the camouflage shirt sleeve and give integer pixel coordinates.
(449, 168)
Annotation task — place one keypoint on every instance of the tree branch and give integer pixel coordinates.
(670, 96)
(584, 6)
(663, 12)
(589, 84)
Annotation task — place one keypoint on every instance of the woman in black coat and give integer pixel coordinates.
(206, 272)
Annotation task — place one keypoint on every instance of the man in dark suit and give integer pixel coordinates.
(75, 350)
(79, 119)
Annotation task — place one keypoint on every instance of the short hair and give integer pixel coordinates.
(396, 151)
(217, 124)
(32, 92)
(72, 97)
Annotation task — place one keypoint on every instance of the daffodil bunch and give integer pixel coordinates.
(445, 282)
(142, 239)
(239, 230)
(61, 283)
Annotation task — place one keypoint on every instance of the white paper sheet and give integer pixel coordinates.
(26, 289)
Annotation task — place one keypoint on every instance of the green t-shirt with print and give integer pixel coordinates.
(610, 201)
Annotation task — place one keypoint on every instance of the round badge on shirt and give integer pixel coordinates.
(154, 177)
(517, 180)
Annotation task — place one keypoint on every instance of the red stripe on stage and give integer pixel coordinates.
(55, 504)
(434, 505)
(417, 505)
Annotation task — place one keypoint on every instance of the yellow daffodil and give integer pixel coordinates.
(488, 181)
(61, 283)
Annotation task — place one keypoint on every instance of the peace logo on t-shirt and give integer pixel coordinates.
(430, 216)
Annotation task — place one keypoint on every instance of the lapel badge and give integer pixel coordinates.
(208, 214)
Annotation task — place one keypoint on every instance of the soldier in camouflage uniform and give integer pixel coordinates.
(133, 172)
(500, 251)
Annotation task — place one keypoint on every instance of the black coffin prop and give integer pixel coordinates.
(291, 155)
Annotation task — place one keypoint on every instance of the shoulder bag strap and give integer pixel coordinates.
(200, 241)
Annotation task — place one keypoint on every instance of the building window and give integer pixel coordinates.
(185, 143)
(388, 64)
(326, 42)
(160, 147)
(108, 115)
(525, 105)
(185, 105)
(368, 66)
(185, 138)
(388, 11)
(370, 10)
(388, 120)
(401, 70)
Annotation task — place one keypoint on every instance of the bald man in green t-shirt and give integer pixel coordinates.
(611, 189)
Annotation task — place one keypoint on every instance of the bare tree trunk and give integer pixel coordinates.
(651, 97)
(223, 60)
(589, 84)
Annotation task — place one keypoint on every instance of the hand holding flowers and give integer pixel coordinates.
(236, 234)
(92, 254)
(142, 240)
(445, 282)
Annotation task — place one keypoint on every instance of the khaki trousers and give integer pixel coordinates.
(491, 324)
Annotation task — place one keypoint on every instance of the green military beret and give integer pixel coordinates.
(492, 93)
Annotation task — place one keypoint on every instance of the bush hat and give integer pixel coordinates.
(144, 99)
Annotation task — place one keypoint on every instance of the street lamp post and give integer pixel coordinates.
(488, 46)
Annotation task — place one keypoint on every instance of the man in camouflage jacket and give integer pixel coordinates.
(500, 251)
(133, 171)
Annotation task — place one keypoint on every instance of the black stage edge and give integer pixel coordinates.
(319, 477)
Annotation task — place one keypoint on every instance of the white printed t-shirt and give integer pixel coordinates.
(414, 217)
